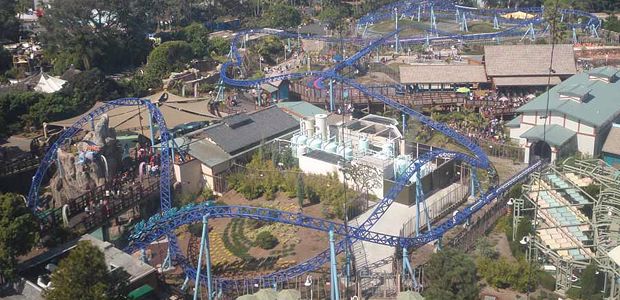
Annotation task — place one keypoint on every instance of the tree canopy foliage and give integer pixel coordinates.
(18, 232)
(612, 23)
(84, 274)
(9, 25)
(109, 35)
(452, 275)
(281, 15)
(20, 109)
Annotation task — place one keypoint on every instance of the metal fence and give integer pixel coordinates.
(438, 209)
(382, 68)
(466, 239)
(501, 150)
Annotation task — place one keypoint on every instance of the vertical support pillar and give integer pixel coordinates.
(404, 123)
(143, 257)
(418, 186)
(92, 124)
(419, 12)
(204, 249)
(495, 22)
(335, 293)
(396, 42)
(472, 179)
(457, 15)
(574, 36)
(332, 103)
(465, 28)
(185, 283)
(532, 32)
(152, 131)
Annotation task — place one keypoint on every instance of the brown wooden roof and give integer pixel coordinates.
(528, 60)
(442, 74)
(526, 81)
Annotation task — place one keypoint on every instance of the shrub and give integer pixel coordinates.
(195, 229)
(266, 240)
(547, 281)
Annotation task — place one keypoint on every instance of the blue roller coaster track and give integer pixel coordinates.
(165, 223)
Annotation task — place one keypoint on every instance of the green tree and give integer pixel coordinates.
(281, 15)
(266, 240)
(612, 23)
(18, 232)
(168, 57)
(84, 274)
(220, 46)
(452, 275)
(591, 283)
(5, 60)
(9, 25)
(14, 106)
(197, 35)
(334, 16)
(110, 35)
(553, 16)
(301, 193)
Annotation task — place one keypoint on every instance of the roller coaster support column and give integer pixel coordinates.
(575, 41)
(396, 42)
(143, 257)
(185, 283)
(457, 15)
(419, 12)
(594, 32)
(433, 21)
(407, 267)
(151, 128)
(204, 248)
(495, 22)
(465, 23)
(332, 103)
(473, 177)
(404, 123)
(335, 293)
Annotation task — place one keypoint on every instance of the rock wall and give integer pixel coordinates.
(87, 164)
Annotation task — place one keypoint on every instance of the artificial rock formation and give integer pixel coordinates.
(84, 166)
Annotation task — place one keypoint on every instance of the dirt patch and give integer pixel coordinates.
(501, 294)
(506, 168)
(296, 244)
(502, 245)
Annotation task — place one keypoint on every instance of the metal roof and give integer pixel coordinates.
(605, 72)
(528, 60)
(208, 153)
(603, 106)
(243, 131)
(526, 81)
(269, 88)
(514, 123)
(554, 135)
(300, 109)
(576, 90)
(612, 143)
(442, 74)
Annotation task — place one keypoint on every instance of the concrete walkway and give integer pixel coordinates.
(391, 223)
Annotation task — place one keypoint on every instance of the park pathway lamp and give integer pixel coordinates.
(308, 283)
(525, 240)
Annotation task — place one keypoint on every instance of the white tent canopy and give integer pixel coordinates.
(49, 84)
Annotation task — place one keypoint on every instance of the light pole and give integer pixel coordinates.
(308, 283)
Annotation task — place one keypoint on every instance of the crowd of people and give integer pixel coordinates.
(491, 130)
(500, 102)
